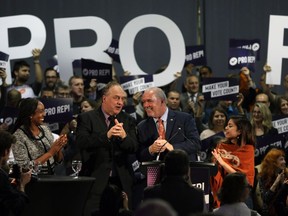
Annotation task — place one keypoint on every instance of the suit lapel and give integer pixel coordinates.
(170, 123)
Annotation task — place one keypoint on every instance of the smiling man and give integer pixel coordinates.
(179, 129)
(106, 137)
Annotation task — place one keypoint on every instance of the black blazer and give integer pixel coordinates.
(98, 152)
(178, 123)
(184, 198)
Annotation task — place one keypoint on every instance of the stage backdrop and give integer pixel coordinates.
(151, 34)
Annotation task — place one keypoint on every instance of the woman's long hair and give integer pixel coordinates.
(266, 115)
(247, 134)
(269, 166)
(211, 117)
(27, 108)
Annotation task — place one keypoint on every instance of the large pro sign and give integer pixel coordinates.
(174, 36)
(276, 50)
(67, 54)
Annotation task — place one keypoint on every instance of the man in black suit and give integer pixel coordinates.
(176, 187)
(180, 129)
(106, 137)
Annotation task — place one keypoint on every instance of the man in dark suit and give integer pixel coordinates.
(106, 137)
(176, 187)
(180, 129)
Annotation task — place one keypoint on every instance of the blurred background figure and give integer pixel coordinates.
(273, 183)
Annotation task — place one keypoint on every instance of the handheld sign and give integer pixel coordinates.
(195, 55)
(253, 45)
(113, 51)
(239, 58)
(3, 60)
(220, 88)
(137, 83)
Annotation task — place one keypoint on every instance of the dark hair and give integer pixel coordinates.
(233, 188)
(247, 133)
(73, 77)
(206, 67)
(176, 163)
(91, 102)
(27, 108)
(111, 201)
(51, 69)
(19, 64)
(210, 121)
(6, 140)
(278, 103)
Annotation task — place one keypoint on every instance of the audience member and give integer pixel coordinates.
(21, 72)
(273, 183)
(105, 137)
(234, 191)
(12, 199)
(62, 91)
(235, 153)
(46, 93)
(155, 207)
(216, 123)
(247, 87)
(173, 100)
(3, 87)
(176, 188)
(264, 131)
(51, 78)
(262, 98)
(88, 104)
(35, 141)
(281, 106)
(76, 85)
(113, 202)
(188, 99)
(233, 108)
(10, 110)
(165, 129)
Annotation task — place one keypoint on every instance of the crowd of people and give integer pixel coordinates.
(169, 125)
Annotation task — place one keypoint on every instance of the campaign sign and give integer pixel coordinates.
(219, 88)
(201, 180)
(137, 83)
(96, 70)
(113, 51)
(253, 45)
(57, 109)
(281, 124)
(3, 60)
(268, 141)
(9, 116)
(195, 55)
(208, 144)
(239, 58)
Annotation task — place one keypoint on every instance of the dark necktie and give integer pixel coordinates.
(111, 121)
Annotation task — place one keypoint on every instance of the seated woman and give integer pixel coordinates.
(273, 182)
(234, 154)
(34, 139)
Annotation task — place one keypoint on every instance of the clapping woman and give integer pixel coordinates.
(234, 154)
(273, 183)
(34, 139)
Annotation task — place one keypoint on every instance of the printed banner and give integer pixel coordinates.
(58, 110)
(113, 50)
(3, 60)
(253, 45)
(137, 83)
(195, 55)
(268, 141)
(281, 124)
(208, 144)
(239, 58)
(220, 88)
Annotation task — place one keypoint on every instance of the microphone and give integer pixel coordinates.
(159, 152)
(198, 152)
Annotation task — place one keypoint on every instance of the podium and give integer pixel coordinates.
(57, 195)
(200, 173)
